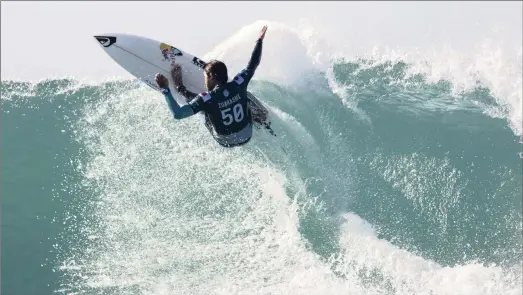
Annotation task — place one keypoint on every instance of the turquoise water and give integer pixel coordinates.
(398, 186)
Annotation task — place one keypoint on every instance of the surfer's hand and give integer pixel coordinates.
(176, 74)
(161, 80)
(262, 32)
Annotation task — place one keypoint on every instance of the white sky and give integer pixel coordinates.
(44, 39)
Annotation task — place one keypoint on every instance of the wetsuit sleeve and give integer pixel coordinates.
(244, 77)
(179, 112)
(255, 56)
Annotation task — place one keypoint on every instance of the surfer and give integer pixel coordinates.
(225, 104)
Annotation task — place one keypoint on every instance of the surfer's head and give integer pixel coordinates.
(215, 73)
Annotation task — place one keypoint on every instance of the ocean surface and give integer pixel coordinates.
(381, 180)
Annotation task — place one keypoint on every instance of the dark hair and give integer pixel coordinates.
(217, 69)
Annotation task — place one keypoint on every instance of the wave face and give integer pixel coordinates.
(383, 180)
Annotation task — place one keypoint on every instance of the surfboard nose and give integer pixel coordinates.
(105, 41)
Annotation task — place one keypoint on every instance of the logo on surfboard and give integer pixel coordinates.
(200, 63)
(106, 41)
(169, 52)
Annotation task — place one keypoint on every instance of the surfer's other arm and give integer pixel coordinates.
(248, 72)
(179, 112)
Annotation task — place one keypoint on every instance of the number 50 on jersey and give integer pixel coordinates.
(230, 115)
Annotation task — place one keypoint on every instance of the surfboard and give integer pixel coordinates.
(144, 57)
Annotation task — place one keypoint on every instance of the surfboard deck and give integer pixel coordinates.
(144, 57)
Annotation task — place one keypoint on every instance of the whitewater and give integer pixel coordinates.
(392, 173)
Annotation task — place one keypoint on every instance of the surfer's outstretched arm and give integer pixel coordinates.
(256, 53)
(255, 56)
(246, 75)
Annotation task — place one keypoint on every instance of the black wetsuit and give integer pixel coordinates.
(226, 107)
